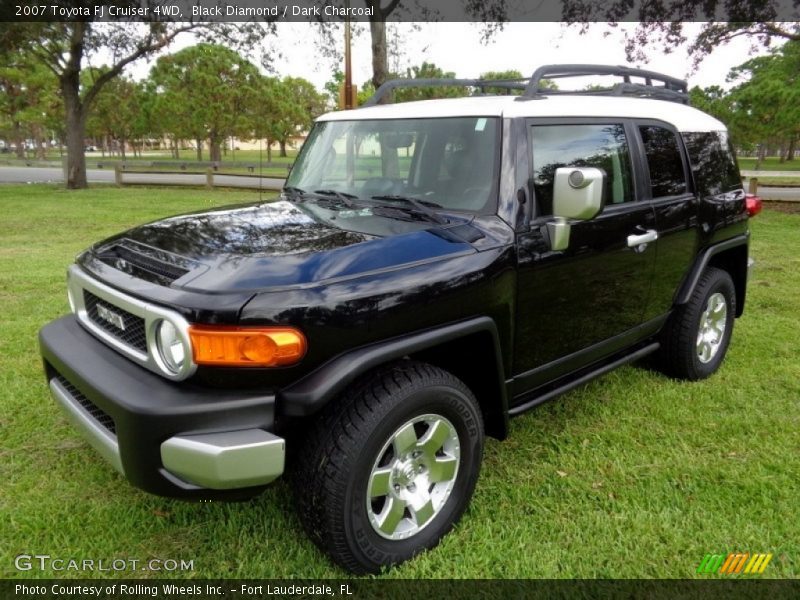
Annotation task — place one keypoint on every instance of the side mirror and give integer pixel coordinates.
(577, 194)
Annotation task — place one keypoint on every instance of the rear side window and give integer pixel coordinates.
(713, 162)
(667, 177)
(603, 146)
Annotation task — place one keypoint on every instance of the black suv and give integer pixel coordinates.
(430, 270)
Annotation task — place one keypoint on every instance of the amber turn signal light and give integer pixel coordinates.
(246, 346)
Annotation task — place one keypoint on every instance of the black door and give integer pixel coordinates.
(576, 305)
(666, 183)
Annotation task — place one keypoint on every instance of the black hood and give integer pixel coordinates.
(260, 246)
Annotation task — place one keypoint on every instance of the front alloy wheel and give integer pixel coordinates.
(413, 476)
(389, 468)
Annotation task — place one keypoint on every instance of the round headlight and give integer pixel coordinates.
(170, 346)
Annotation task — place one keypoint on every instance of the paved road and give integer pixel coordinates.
(746, 173)
(46, 174)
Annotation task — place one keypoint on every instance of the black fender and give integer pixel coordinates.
(309, 394)
(705, 259)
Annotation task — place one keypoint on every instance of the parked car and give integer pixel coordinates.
(430, 270)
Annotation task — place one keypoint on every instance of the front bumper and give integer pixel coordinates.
(170, 439)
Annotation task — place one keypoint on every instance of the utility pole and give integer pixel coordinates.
(349, 92)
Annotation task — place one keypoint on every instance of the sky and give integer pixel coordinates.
(457, 47)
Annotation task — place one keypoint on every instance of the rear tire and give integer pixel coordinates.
(389, 468)
(697, 335)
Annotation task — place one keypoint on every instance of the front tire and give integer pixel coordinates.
(697, 335)
(389, 468)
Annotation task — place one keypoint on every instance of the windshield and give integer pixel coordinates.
(449, 162)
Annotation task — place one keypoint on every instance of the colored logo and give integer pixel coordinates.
(734, 563)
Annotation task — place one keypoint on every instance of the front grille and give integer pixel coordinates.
(96, 412)
(133, 333)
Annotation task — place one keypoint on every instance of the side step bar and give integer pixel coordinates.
(585, 378)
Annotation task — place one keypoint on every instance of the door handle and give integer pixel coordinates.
(651, 235)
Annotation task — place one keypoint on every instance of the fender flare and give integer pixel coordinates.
(702, 261)
(309, 394)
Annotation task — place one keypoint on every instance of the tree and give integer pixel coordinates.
(305, 105)
(489, 12)
(661, 23)
(64, 48)
(429, 71)
(206, 93)
(763, 109)
(767, 102)
(29, 103)
(118, 113)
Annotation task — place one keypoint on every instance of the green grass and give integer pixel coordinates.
(771, 163)
(633, 475)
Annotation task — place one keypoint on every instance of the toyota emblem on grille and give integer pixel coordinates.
(109, 316)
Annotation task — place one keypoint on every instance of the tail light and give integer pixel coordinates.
(753, 204)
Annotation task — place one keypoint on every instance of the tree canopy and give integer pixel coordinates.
(64, 48)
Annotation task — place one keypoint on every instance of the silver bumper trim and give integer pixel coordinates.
(100, 438)
(227, 460)
(78, 281)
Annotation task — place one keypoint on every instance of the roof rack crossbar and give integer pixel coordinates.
(481, 84)
(656, 85)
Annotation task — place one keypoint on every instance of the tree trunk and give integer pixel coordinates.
(377, 30)
(282, 144)
(76, 131)
(122, 148)
(199, 143)
(214, 148)
(19, 141)
(790, 149)
(269, 150)
(41, 148)
(762, 152)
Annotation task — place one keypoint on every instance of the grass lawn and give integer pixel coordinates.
(633, 475)
(770, 163)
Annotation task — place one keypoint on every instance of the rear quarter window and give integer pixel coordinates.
(713, 162)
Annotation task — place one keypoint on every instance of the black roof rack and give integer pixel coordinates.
(656, 85)
(481, 84)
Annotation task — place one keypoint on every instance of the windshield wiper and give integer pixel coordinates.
(421, 206)
(326, 195)
(343, 196)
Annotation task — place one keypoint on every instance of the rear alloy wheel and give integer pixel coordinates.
(696, 337)
(389, 468)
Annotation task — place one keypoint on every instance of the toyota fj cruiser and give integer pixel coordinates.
(430, 270)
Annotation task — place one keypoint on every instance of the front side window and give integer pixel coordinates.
(667, 177)
(450, 162)
(602, 146)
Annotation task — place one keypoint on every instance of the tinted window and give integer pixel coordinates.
(450, 162)
(713, 162)
(600, 146)
(664, 161)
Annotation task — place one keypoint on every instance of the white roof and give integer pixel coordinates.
(682, 117)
